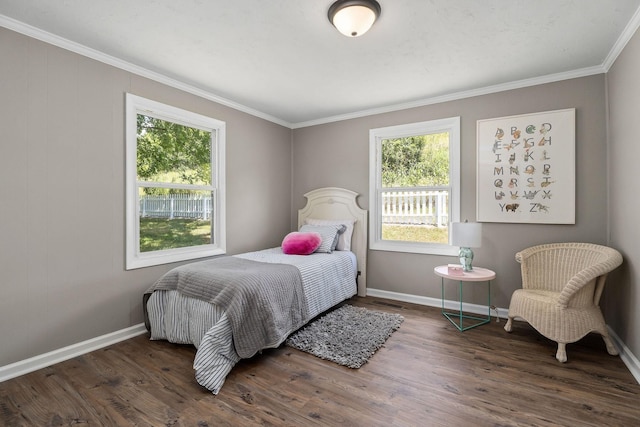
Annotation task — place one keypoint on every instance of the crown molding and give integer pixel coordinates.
(550, 78)
(80, 49)
(63, 43)
(619, 45)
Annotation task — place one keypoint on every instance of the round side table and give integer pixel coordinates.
(478, 274)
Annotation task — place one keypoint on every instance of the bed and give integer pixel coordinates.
(232, 307)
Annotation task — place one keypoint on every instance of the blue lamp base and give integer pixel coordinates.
(466, 257)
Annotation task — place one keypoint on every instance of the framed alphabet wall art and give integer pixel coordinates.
(526, 168)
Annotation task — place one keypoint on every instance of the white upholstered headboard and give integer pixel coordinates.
(339, 203)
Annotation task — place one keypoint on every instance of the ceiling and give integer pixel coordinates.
(284, 61)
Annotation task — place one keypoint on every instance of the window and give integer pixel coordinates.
(175, 184)
(414, 181)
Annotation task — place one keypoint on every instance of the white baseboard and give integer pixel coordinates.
(60, 355)
(437, 302)
(42, 361)
(628, 358)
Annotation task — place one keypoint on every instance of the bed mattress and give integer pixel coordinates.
(327, 279)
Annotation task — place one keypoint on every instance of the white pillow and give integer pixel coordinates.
(329, 233)
(344, 241)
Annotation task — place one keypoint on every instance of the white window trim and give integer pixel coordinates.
(134, 258)
(451, 125)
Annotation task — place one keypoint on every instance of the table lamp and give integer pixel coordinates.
(466, 235)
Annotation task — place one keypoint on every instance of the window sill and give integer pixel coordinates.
(149, 259)
(415, 248)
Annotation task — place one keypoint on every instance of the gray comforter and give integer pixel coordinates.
(264, 302)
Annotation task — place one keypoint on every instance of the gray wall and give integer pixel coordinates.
(62, 194)
(337, 154)
(623, 297)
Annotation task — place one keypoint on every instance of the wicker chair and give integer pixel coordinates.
(561, 287)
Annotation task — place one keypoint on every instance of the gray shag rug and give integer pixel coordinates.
(348, 335)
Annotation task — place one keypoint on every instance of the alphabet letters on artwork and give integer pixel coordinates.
(525, 144)
(525, 162)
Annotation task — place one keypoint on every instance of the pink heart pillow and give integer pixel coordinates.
(297, 243)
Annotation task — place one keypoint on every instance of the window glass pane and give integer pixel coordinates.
(172, 153)
(415, 216)
(413, 161)
(171, 219)
(414, 209)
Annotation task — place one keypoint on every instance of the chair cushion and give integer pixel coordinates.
(548, 297)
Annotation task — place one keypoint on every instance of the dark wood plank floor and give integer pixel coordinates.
(427, 374)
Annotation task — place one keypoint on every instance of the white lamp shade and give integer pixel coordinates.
(354, 21)
(466, 234)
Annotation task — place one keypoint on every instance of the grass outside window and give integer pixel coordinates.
(160, 233)
(415, 233)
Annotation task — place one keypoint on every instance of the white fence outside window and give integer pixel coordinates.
(415, 208)
(175, 206)
(398, 207)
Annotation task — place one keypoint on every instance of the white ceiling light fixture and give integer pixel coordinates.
(353, 18)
